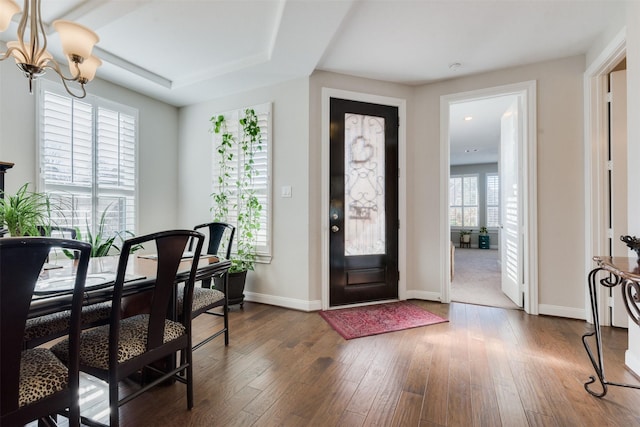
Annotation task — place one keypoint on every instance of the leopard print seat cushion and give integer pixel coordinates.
(94, 343)
(57, 324)
(41, 374)
(202, 297)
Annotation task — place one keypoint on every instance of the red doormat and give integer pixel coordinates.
(378, 319)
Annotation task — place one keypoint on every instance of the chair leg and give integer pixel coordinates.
(74, 414)
(48, 421)
(225, 316)
(189, 356)
(114, 413)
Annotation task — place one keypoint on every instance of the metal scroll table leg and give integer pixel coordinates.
(598, 361)
(598, 365)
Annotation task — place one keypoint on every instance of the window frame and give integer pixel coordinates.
(95, 193)
(264, 252)
(487, 204)
(463, 205)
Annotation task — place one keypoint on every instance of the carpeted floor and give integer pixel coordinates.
(477, 278)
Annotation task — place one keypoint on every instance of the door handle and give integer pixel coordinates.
(335, 228)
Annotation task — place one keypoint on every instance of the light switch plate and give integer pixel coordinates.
(285, 191)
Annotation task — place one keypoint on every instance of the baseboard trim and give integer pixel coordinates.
(423, 295)
(294, 304)
(632, 362)
(316, 305)
(560, 311)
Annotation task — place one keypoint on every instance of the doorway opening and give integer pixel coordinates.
(475, 128)
(497, 173)
(605, 171)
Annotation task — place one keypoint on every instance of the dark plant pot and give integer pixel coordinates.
(236, 287)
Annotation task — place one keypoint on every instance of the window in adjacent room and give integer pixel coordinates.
(493, 200)
(261, 182)
(87, 150)
(463, 201)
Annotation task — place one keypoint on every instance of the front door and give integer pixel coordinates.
(363, 209)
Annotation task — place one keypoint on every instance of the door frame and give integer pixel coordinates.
(328, 93)
(529, 191)
(595, 155)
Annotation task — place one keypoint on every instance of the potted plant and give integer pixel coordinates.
(101, 241)
(465, 235)
(24, 213)
(483, 239)
(246, 204)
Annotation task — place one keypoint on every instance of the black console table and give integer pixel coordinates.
(3, 169)
(611, 272)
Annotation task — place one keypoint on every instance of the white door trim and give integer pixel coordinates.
(529, 197)
(595, 155)
(328, 93)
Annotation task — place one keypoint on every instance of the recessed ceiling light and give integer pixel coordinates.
(467, 118)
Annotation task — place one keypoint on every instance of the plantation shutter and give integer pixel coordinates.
(493, 200)
(116, 167)
(261, 182)
(88, 160)
(463, 201)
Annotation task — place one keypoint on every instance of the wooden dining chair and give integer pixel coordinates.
(206, 297)
(41, 329)
(35, 383)
(134, 344)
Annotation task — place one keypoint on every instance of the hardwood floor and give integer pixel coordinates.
(485, 367)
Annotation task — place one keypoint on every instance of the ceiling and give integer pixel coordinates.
(474, 130)
(185, 52)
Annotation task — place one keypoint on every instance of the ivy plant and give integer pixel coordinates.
(226, 167)
(250, 208)
(239, 194)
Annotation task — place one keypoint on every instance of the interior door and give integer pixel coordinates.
(510, 235)
(363, 210)
(618, 184)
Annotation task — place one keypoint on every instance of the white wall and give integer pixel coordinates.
(632, 358)
(158, 124)
(283, 281)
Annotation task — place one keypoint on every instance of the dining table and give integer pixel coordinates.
(54, 289)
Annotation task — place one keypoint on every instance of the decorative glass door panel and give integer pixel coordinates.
(364, 179)
(363, 224)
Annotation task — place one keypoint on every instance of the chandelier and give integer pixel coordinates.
(31, 54)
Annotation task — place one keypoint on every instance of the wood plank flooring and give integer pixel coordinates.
(485, 367)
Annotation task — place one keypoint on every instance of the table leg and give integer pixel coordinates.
(597, 361)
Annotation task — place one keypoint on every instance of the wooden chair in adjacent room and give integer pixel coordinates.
(35, 383)
(206, 297)
(134, 344)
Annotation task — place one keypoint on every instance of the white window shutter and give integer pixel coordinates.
(261, 161)
(88, 160)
